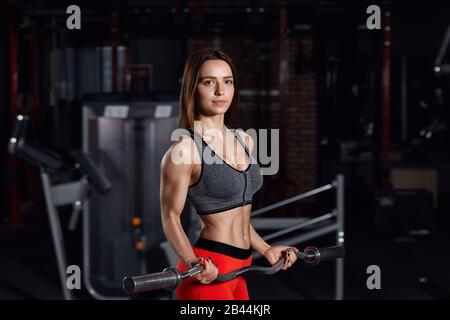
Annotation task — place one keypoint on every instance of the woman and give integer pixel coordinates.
(220, 190)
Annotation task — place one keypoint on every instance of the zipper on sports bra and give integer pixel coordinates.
(245, 186)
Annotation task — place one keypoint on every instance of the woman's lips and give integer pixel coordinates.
(219, 101)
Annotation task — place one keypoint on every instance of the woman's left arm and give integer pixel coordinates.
(258, 243)
(273, 253)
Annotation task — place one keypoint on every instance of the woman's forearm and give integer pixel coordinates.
(177, 238)
(258, 243)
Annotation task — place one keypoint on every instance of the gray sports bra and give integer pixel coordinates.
(220, 186)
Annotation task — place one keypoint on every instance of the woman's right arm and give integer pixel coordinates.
(175, 180)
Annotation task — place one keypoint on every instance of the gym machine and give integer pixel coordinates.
(122, 231)
(59, 194)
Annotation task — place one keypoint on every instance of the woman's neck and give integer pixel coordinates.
(210, 127)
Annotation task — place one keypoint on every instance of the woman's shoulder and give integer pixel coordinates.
(180, 152)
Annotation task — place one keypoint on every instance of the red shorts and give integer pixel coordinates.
(227, 258)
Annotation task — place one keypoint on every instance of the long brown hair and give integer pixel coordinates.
(189, 108)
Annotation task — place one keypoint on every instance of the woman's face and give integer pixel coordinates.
(215, 87)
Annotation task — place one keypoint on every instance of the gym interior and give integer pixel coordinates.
(359, 94)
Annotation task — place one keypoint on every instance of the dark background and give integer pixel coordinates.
(338, 126)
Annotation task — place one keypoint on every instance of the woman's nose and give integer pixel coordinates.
(219, 90)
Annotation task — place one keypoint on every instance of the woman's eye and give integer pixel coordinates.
(208, 82)
(229, 81)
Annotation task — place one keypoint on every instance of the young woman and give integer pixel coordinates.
(220, 189)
